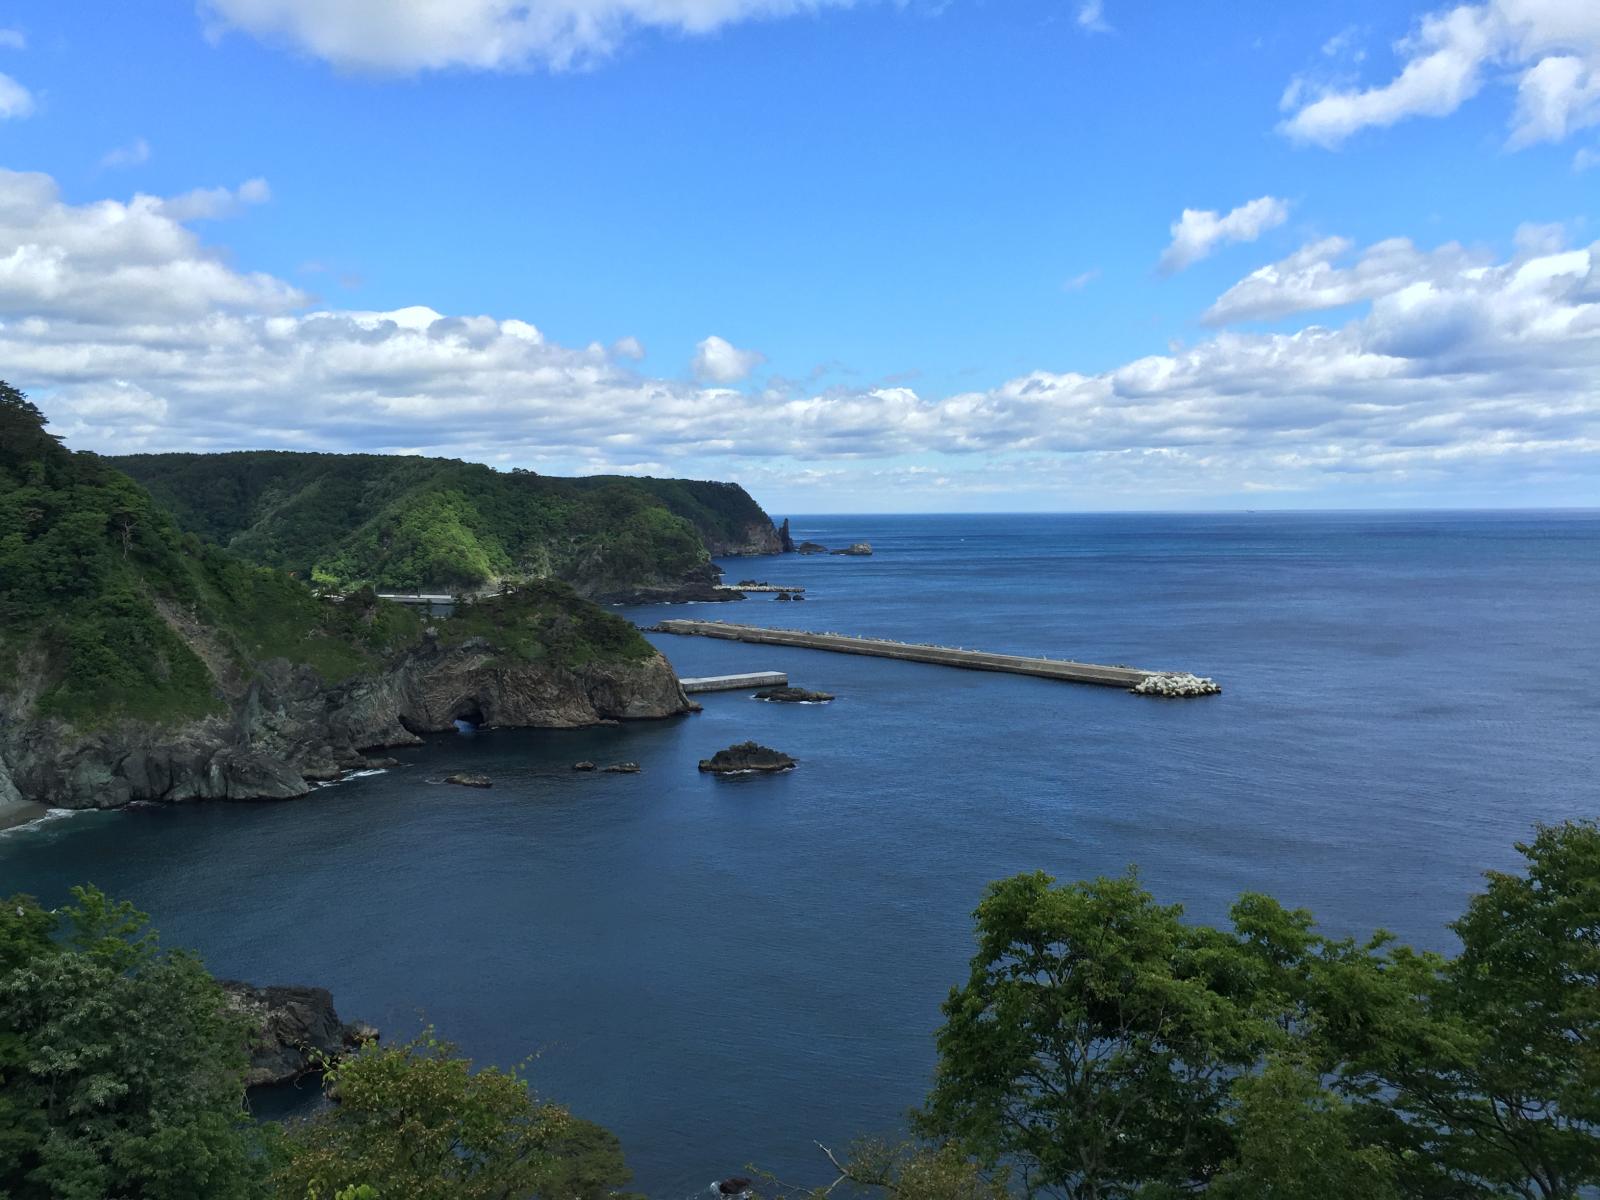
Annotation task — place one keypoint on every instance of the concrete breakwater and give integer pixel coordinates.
(946, 656)
(735, 683)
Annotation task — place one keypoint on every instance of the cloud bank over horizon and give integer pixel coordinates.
(136, 334)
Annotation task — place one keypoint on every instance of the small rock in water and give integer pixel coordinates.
(783, 596)
(1175, 683)
(585, 765)
(794, 695)
(477, 781)
(627, 768)
(747, 757)
(737, 1186)
(855, 550)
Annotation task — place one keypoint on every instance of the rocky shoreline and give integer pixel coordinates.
(288, 730)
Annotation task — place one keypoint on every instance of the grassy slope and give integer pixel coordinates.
(405, 522)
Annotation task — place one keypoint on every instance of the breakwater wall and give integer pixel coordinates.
(735, 683)
(945, 656)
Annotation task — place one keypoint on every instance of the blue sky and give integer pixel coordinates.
(927, 237)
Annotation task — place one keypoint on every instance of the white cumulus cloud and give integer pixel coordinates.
(1458, 373)
(1200, 231)
(1551, 48)
(719, 361)
(15, 100)
(479, 34)
(131, 155)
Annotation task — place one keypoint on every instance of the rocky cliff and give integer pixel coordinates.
(138, 662)
(289, 728)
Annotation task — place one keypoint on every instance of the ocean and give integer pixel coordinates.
(725, 970)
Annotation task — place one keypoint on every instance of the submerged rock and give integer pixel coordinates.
(476, 781)
(855, 550)
(738, 1185)
(1175, 683)
(747, 757)
(794, 695)
(585, 765)
(623, 768)
(296, 1030)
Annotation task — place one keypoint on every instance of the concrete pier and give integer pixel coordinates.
(945, 656)
(735, 683)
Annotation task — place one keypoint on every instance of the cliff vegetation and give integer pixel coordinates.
(402, 522)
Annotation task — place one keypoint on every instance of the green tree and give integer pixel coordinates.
(121, 1065)
(1094, 1045)
(1296, 1140)
(1484, 1069)
(416, 1121)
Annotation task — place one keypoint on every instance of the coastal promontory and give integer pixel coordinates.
(139, 662)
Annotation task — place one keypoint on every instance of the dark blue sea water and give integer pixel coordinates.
(723, 970)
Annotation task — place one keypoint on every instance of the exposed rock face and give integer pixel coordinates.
(794, 695)
(811, 548)
(289, 723)
(747, 758)
(756, 536)
(785, 541)
(297, 1028)
(472, 781)
(855, 550)
(1176, 684)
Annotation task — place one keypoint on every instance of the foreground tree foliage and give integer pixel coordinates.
(120, 1064)
(416, 1121)
(1103, 1049)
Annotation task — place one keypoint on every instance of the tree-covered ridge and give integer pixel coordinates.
(108, 609)
(545, 622)
(405, 522)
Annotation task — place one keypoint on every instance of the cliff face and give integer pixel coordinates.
(753, 537)
(139, 663)
(289, 728)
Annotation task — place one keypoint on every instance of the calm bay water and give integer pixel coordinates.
(723, 970)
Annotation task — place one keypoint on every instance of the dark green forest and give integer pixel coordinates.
(108, 609)
(1102, 1048)
(395, 521)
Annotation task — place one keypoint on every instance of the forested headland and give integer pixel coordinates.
(139, 660)
(405, 522)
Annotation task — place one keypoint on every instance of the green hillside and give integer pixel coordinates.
(403, 522)
(108, 609)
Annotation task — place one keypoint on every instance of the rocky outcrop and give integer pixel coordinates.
(297, 1030)
(811, 548)
(855, 550)
(585, 765)
(289, 724)
(1176, 684)
(785, 540)
(471, 781)
(794, 695)
(747, 758)
(755, 536)
(672, 593)
(622, 768)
